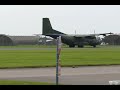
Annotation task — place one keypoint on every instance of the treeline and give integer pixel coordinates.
(112, 40)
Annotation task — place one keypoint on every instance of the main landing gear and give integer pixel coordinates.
(94, 46)
(71, 46)
(80, 46)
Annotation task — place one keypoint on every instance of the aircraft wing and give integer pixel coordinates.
(85, 36)
(104, 34)
(91, 36)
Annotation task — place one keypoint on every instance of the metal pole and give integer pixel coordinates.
(57, 78)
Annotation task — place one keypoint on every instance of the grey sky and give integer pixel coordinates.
(27, 19)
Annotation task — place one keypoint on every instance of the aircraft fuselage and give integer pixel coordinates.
(71, 40)
(80, 42)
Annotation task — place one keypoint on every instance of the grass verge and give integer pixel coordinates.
(17, 82)
(46, 57)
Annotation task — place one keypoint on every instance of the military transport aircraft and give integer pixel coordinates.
(71, 40)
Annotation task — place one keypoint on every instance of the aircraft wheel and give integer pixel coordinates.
(94, 46)
(80, 46)
(71, 46)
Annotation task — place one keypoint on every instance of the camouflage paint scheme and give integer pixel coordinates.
(71, 40)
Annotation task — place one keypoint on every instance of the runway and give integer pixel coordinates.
(90, 75)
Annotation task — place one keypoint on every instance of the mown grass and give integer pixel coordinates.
(18, 82)
(46, 57)
(30, 46)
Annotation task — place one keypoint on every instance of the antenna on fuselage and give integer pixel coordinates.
(75, 32)
(94, 31)
(95, 35)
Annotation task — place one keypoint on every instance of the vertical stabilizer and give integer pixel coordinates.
(47, 28)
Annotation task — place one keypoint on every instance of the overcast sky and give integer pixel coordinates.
(84, 19)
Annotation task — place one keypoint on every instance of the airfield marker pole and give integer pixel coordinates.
(57, 78)
(58, 66)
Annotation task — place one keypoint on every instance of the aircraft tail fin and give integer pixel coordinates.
(47, 28)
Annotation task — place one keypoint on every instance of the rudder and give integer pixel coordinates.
(47, 28)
